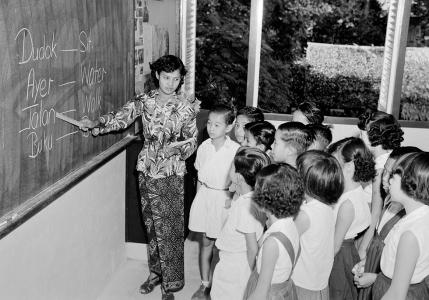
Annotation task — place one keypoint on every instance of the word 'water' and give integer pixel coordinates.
(92, 74)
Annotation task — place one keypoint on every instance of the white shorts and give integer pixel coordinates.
(230, 276)
(207, 210)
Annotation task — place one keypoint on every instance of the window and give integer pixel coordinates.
(414, 104)
(221, 51)
(330, 52)
(327, 52)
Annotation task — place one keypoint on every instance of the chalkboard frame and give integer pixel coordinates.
(31, 206)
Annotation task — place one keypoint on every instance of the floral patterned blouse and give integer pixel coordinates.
(163, 124)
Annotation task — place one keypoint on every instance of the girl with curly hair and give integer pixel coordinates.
(259, 135)
(381, 133)
(351, 212)
(279, 193)
(323, 185)
(170, 136)
(405, 259)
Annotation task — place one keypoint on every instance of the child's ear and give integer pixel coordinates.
(290, 150)
(157, 75)
(239, 178)
(349, 167)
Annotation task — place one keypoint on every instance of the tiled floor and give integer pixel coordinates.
(125, 284)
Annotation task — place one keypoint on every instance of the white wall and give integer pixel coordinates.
(71, 248)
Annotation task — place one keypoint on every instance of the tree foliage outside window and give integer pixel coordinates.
(287, 77)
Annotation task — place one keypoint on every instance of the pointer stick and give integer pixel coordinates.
(68, 119)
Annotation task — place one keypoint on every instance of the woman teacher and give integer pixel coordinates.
(169, 130)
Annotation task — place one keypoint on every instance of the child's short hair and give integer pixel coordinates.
(400, 151)
(415, 176)
(168, 64)
(227, 110)
(397, 155)
(383, 129)
(322, 176)
(297, 135)
(263, 131)
(254, 114)
(248, 162)
(322, 134)
(279, 190)
(354, 149)
(313, 114)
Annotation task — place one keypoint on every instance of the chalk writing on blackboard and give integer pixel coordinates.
(39, 115)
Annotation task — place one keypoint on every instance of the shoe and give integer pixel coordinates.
(203, 293)
(167, 296)
(150, 284)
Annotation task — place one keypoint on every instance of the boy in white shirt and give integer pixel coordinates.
(213, 162)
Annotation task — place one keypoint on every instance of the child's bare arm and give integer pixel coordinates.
(376, 207)
(345, 218)
(270, 255)
(252, 248)
(405, 263)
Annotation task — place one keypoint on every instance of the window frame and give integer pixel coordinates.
(188, 24)
(393, 64)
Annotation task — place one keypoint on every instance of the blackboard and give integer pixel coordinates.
(69, 56)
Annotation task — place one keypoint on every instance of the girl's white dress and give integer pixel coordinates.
(213, 174)
(232, 271)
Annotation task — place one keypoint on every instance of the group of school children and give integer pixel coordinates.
(294, 216)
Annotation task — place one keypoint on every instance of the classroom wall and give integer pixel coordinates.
(71, 248)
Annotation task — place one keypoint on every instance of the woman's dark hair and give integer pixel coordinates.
(227, 110)
(354, 149)
(248, 162)
(322, 176)
(414, 172)
(400, 151)
(313, 114)
(279, 190)
(168, 64)
(297, 135)
(383, 129)
(263, 131)
(252, 113)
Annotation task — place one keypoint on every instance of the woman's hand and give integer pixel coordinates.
(87, 124)
(365, 280)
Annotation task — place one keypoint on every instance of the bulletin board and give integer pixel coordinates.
(157, 33)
